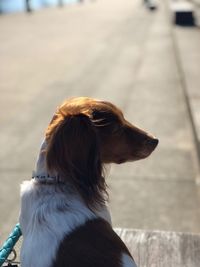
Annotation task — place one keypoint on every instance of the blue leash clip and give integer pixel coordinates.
(8, 246)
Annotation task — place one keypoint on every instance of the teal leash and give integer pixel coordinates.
(8, 246)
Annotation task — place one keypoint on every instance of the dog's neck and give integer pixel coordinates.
(42, 176)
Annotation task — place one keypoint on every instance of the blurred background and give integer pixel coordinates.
(142, 56)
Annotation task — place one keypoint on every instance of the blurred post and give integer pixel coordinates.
(151, 4)
(60, 3)
(183, 13)
(28, 6)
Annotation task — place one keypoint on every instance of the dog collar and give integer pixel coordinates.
(41, 174)
(46, 178)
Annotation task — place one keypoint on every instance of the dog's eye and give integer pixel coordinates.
(107, 121)
(105, 115)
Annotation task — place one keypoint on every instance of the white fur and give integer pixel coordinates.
(127, 261)
(48, 214)
(41, 160)
(41, 172)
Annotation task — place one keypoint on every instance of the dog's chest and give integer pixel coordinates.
(47, 216)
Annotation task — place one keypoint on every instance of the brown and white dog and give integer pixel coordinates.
(64, 218)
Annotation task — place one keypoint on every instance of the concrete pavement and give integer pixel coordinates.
(115, 50)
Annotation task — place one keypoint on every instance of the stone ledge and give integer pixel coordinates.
(162, 249)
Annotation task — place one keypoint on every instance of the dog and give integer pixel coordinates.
(64, 217)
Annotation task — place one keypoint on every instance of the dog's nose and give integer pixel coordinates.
(152, 142)
(155, 142)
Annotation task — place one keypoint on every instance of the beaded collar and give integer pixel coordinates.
(46, 178)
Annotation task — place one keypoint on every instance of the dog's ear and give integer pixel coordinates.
(73, 152)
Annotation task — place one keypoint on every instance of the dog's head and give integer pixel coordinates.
(120, 141)
(85, 133)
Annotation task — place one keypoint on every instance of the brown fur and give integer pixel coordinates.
(93, 244)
